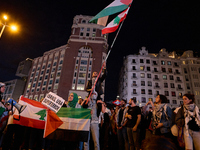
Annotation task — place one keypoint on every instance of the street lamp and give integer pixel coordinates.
(14, 28)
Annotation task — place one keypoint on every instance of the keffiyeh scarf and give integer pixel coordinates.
(158, 111)
(191, 111)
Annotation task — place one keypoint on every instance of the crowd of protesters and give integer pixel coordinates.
(117, 127)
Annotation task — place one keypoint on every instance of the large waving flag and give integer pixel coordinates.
(114, 24)
(75, 126)
(34, 115)
(115, 7)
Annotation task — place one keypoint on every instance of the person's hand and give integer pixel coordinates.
(91, 112)
(119, 128)
(159, 125)
(100, 101)
(129, 116)
(135, 128)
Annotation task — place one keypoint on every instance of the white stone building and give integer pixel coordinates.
(146, 75)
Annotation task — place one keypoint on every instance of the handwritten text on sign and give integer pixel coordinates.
(53, 101)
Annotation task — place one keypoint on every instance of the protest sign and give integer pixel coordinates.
(53, 102)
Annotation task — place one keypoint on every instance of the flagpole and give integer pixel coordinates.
(105, 59)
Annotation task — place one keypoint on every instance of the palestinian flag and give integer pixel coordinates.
(34, 115)
(114, 7)
(75, 126)
(114, 24)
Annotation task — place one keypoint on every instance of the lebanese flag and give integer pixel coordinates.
(34, 115)
(114, 24)
(115, 7)
(74, 125)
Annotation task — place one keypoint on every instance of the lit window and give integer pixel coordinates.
(164, 77)
(142, 75)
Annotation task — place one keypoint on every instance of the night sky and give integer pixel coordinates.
(45, 25)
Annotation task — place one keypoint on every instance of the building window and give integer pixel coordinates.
(185, 70)
(134, 75)
(142, 68)
(155, 63)
(150, 92)
(164, 77)
(173, 93)
(172, 85)
(46, 77)
(155, 70)
(162, 62)
(148, 75)
(148, 61)
(170, 70)
(39, 83)
(82, 75)
(133, 61)
(133, 68)
(143, 99)
(81, 34)
(45, 82)
(142, 91)
(142, 75)
(174, 102)
(163, 69)
(134, 91)
(148, 69)
(165, 85)
(61, 62)
(156, 76)
(57, 80)
(166, 93)
(83, 62)
(142, 83)
(141, 61)
(81, 81)
(171, 77)
(169, 63)
(149, 83)
(50, 82)
(134, 83)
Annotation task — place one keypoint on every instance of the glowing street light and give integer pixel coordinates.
(13, 27)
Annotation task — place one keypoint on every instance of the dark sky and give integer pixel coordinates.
(45, 25)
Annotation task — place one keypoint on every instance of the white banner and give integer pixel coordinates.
(53, 102)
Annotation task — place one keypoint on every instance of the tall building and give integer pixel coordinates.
(67, 68)
(14, 89)
(191, 73)
(146, 75)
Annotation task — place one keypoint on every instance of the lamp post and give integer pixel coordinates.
(4, 26)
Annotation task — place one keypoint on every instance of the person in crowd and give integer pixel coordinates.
(104, 120)
(98, 86)
(158, 143)
(94, 124)
(72, 101)
(188, 116)
(162, 117)
(133, 120)
(114, 140)
(148, 109)
(121, 121)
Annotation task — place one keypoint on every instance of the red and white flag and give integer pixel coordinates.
(34, 115)
(114, 24)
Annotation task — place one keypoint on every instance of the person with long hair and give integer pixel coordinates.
(188, 116)
(161, 117)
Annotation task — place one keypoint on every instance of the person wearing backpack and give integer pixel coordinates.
(188, 116)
